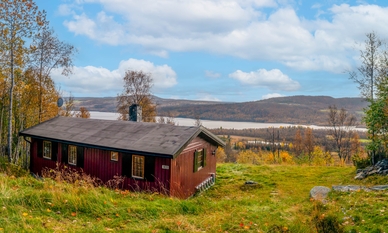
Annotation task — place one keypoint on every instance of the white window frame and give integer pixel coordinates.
(200, 163)
(138, 162)
(47, 149)
(72, 155)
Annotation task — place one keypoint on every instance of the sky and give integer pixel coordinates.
(218, 50)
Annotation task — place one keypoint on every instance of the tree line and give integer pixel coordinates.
(29, 52)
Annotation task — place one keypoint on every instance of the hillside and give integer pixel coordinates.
(278, 203)
(293, 109)
(108, 104)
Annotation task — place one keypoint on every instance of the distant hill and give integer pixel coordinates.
(108, 104)
(292, 109)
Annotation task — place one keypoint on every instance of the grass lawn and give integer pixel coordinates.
(279, 203)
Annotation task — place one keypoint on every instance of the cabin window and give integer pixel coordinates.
(47, 149)
(138, 166)
(114, 156)
(72, 158)
(199, 159)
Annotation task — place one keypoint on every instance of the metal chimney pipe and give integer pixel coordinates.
(135, 113)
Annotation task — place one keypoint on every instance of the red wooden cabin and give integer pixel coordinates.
(177, 160)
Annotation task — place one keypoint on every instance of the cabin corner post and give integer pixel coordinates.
(28, 154)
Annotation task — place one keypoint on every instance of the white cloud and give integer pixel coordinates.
(211, 74)
(92, 81)
(316, 6)
(271, 95)
(272, 79)
(65, 9)
(82, 25)
(103, 29)
(240, 28)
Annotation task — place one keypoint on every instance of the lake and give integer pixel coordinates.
(212, 124)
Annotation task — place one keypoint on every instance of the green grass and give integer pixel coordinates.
(279, 203)
(365, 140)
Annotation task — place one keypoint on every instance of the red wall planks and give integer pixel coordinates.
(173, 177)
(98, 163)
(183, 178)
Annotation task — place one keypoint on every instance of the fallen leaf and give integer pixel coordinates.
(73, 214)
(25, 214)
(48, 210)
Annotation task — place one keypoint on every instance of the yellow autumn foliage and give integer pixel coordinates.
(248, 157)
(220, 155)
(321, 158)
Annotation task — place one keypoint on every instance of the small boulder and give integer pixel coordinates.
(319, 193)
(349, 188)
(379, 187)
(248, 185)
(250, 182)
(360, 176)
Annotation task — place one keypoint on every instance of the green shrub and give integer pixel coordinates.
(360, 162)
(11, 169)
(327, 224)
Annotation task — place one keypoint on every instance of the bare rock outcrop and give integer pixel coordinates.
(380, 168)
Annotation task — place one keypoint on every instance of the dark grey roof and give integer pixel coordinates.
(141, 137)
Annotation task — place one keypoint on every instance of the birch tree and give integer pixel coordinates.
(48, 53)
(137, 87)
(370, 75)
(19, 20)
(341, 130)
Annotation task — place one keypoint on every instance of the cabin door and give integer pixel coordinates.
(126, 165)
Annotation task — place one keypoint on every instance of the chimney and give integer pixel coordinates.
(135, 113)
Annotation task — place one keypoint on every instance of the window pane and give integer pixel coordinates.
(114, 156)
(200, 159)
(47, 149)
(72, 155)
(138, 166)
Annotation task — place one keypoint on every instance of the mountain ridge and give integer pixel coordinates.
(298, 109)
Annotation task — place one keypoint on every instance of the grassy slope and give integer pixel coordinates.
(280, 201)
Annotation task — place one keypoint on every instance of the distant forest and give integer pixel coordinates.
(283, 134)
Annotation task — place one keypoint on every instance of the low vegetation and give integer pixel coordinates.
(279, 202)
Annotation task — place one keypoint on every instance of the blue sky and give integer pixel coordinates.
(223, 50)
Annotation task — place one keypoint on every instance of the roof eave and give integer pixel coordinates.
(145, 153)
(215, 140)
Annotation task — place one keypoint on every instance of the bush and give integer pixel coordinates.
(11, 169)
(325, 223)
(361, 162)
(248, 157)
(66, 174)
